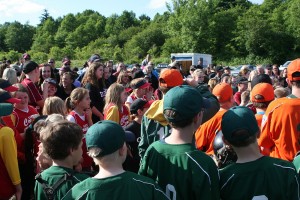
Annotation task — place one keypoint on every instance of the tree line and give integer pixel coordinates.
(233, 31)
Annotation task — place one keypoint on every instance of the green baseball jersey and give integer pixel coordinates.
(296, 162)
(182, 171)
(127, 185)
(154, 126)
(264, 178)
(52, 175)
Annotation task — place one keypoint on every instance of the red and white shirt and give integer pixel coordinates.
(82, 121)
(23, 118)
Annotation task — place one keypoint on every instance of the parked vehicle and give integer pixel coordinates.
(285, 65)
(161, 66)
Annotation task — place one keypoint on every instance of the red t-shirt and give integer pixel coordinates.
(87, 161)
(33, 92)
(24, 118)
(237, 98)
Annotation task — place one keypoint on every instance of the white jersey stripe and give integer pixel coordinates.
(151, 185)
(284, 166)
(199, 167)
(227, 181)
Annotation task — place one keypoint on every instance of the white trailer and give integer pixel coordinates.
(188, 59)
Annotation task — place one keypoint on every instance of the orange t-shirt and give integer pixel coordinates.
(281, 128)
(206, 133)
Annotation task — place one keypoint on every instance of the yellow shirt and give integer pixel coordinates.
(8, 153)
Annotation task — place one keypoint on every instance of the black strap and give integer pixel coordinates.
(50, 190)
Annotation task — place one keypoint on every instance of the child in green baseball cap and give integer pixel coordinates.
(106, 143)
(253, 176)
(174, 162)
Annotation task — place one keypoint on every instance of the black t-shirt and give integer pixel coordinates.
(96, 99)
(61, 92)
(132, 163)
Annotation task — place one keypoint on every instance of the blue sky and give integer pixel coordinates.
(30, 10)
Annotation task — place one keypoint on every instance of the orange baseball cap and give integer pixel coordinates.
(265, 90)
(223, 92)
(170, 78)
(293, 67)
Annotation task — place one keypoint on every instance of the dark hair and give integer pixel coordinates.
(58, 138)
(250, 138)
(164, 90)
(261, 78)
(41, 80)
(3, 66)
(296, 83)
(179, 124)
(260, 104)
(32, 133)
(90, 75)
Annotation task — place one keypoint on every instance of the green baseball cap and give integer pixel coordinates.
(5, 109)
(186, 101)
(238, 118)
(107, 135)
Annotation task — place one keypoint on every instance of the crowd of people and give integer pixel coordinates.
(111, 132)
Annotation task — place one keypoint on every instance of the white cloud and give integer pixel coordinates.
(155, 4)
(9, 8)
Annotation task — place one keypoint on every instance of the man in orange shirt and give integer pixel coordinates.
(280, 126)
(261, 96)
(206, 133)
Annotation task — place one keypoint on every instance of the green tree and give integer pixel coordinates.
(67, 26)
(222, 28)
(111, 27)
(144, 17)
(3, 30)
(189, 23)
(145, 41)
(18, 37)
(127, 19)
(44, 37)
(292, 20)
(261, 36)
(92, 28)
(13, 55)
(44, 17)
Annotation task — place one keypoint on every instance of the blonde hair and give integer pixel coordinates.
(197, 72)
(10, 75)
(113, 95)
(75, 97)
(54, 105)
(121, 76)
(54, 118)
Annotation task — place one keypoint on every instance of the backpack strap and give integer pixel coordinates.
(51, 190)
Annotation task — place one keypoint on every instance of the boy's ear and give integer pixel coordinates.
(71, 150)
(225, 141)
(139, 111)
(123, 150)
